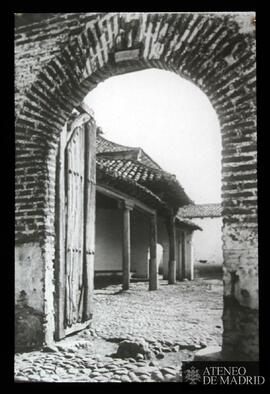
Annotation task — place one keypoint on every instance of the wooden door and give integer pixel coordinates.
(76, 234)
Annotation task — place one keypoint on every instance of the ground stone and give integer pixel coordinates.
(169, 377)
(140, 364)
(50, 349)
(172, 326)
(153, 363)
(101, 379)
(157, 376)
(144, 377)
(94, 374)
(168, 370)
(129, 348)
(160, 355)
(125, 378)
(121, 372)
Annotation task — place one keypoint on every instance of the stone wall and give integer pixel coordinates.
(60, 59)
(29, 295)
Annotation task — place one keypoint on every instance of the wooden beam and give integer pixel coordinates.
(131, 154)
(126, 246)
(172, 254)
(113, 193)
(153, 269)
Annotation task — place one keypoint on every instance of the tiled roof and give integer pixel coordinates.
(200, 211)
(104, 145)
(187, 223)
(128, 185)
(133, 164)
(149, 183)
(161, 183)
(134, 170)
(136, 190)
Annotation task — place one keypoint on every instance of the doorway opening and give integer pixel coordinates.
(199, 148)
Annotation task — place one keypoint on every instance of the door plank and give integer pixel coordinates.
(60, 235)
(79, 226)
(89, 220)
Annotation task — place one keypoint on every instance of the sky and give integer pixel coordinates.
(171, 119)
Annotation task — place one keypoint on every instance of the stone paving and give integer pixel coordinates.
(174, 321)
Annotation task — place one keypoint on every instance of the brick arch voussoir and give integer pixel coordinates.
(84, 61)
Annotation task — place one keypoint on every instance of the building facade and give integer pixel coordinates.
(207, 244)
(133, 164)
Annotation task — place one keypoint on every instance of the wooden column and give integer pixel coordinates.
(126, 244)
(180, 245)
(189, 271)
(153, 269)
(178, 255)
(172, 258)
(165, 259)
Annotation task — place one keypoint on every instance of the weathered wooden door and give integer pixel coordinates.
(76, 228)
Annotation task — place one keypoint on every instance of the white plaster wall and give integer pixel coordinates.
(163, 239)
(108, 253)
(160, 256)
(29, 275)
(207, 244)
(140, 243)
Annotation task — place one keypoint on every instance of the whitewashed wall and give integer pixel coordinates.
(207, 244)
(108, 253)
(139, 243)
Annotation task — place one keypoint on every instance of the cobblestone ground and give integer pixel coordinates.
(175, 321)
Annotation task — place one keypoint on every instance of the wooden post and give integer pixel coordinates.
(89, 217)
(165, 259)
(183, 254)
(172, 259)
(126, 245)
(153, 277)
(180, 257)
(189, 274)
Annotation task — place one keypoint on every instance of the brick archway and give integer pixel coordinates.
(59, 60)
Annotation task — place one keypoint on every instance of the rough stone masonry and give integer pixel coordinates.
(58, 61)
